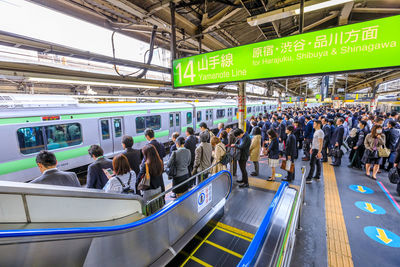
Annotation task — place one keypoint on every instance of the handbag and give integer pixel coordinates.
(383, 152)
(287, 165)
(144, 183)
(172, 171)
(393, 175)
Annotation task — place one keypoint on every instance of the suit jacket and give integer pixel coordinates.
(56, 177)
(160, 148)
(308, 132)
(337, 136)
(244, 147)
(327, 133)
(134, 157)
(190, 143)
(290, 149)
(203, 157)
(392, 136)
(182, 159)
(282, 131)
(95, 175)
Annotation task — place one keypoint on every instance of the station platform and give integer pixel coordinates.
(348, 219)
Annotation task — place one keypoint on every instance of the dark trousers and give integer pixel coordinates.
(178, 180)
(307, 146)
(314, 162)
(324, 152)
(256, 167)
(291, 175)
(242, 166)
(233, 167)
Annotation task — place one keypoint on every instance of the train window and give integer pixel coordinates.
(171, 120)
(229, 112)
(236, 111)
(64, 135)
(153, 122)
(198, 116)
(207, 115)
(220, 113)
(211, 114)
(177, 119)
(118, 127)
(140, 124)
(30, 140)
(105, 129)
(189, 118)
(248, 110)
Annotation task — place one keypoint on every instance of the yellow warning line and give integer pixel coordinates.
(232, 233)
(200, 261)
(339, 253)
(224, 249)
(235, 230)
(198, 246)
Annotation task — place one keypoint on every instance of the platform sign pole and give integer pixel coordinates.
(242, 105)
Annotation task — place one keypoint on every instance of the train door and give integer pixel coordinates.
(174, 123)
(210, 118)
(111, 131)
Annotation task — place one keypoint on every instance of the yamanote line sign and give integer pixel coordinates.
(366, 45)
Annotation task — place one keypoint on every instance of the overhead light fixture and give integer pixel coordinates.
(322, 5)
(48, 80)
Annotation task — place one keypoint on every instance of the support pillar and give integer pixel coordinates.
(173, 31)
(242, 110)
(301, 18)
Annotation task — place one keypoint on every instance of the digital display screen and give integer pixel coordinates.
(366, 45)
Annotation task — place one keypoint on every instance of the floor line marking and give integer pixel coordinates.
(198, 246)
(390, 197)
(235, 230)
(224, 249)
(234, 234)
(200, 261)
(339, 252)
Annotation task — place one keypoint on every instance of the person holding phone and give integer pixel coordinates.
(122, 179)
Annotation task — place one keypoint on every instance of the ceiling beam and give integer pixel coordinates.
(345, 13)
(332, 15)
(376, 10)
(223, 15)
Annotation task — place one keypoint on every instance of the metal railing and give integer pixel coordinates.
(197, 175)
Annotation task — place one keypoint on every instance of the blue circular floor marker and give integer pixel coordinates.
(383, 236)
(361, 189)
(370, 207)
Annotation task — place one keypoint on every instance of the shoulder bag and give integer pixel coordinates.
(144, 183)
(126, 189)
(173, 169)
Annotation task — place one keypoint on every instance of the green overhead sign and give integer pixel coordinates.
(366, 45)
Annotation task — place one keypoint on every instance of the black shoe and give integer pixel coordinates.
(254, 174)
(335, 165)
(239, 181)
(317, 178)
(286, 179)
(308, 181)
(244, 185)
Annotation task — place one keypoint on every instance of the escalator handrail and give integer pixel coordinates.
(101, 229)
(256, 244)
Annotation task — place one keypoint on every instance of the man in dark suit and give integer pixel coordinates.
(337, 138)
(149, 134)
(96, 178)
(244, 147)
(290, 150)
(308, 135)
(326, 128)
(190, 143)
(47, 164)
(281, 130)
(134, 156)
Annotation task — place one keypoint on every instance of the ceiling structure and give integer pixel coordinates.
(208, 25)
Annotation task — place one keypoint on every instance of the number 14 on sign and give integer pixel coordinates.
(189, 73)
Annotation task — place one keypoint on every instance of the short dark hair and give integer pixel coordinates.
(307, 117)
(272, 133)
(318, 122)
(149, 132)
(363, 123)
(190, 130)
(203, 125)
(120, 164)
(237, 132)
(341, 119)
(180, 141)
(392, 123)
(280, 118)
(394, 113)
(127, 141)
(46, 158)
(175, 135)
(224, 134)
(290, 128)
(95, 150)
(256, 131)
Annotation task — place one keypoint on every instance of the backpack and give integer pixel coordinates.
(393, 176)
(126, 189)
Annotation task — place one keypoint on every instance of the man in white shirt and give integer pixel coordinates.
(316, 152)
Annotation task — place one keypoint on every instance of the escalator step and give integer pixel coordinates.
(234, 243)
(215, 256)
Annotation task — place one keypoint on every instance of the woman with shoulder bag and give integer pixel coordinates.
(123, 177)
(218, 153)
(255, 149)
(203, 155)
(181, 158)
(273, 153)
(372, 142)
(151, 180)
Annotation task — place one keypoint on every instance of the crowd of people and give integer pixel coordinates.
(371, 138)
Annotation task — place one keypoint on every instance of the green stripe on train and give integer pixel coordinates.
(220, 121)
(28, 163)
(142, 138)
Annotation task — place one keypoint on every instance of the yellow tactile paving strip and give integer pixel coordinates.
(339, 252)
